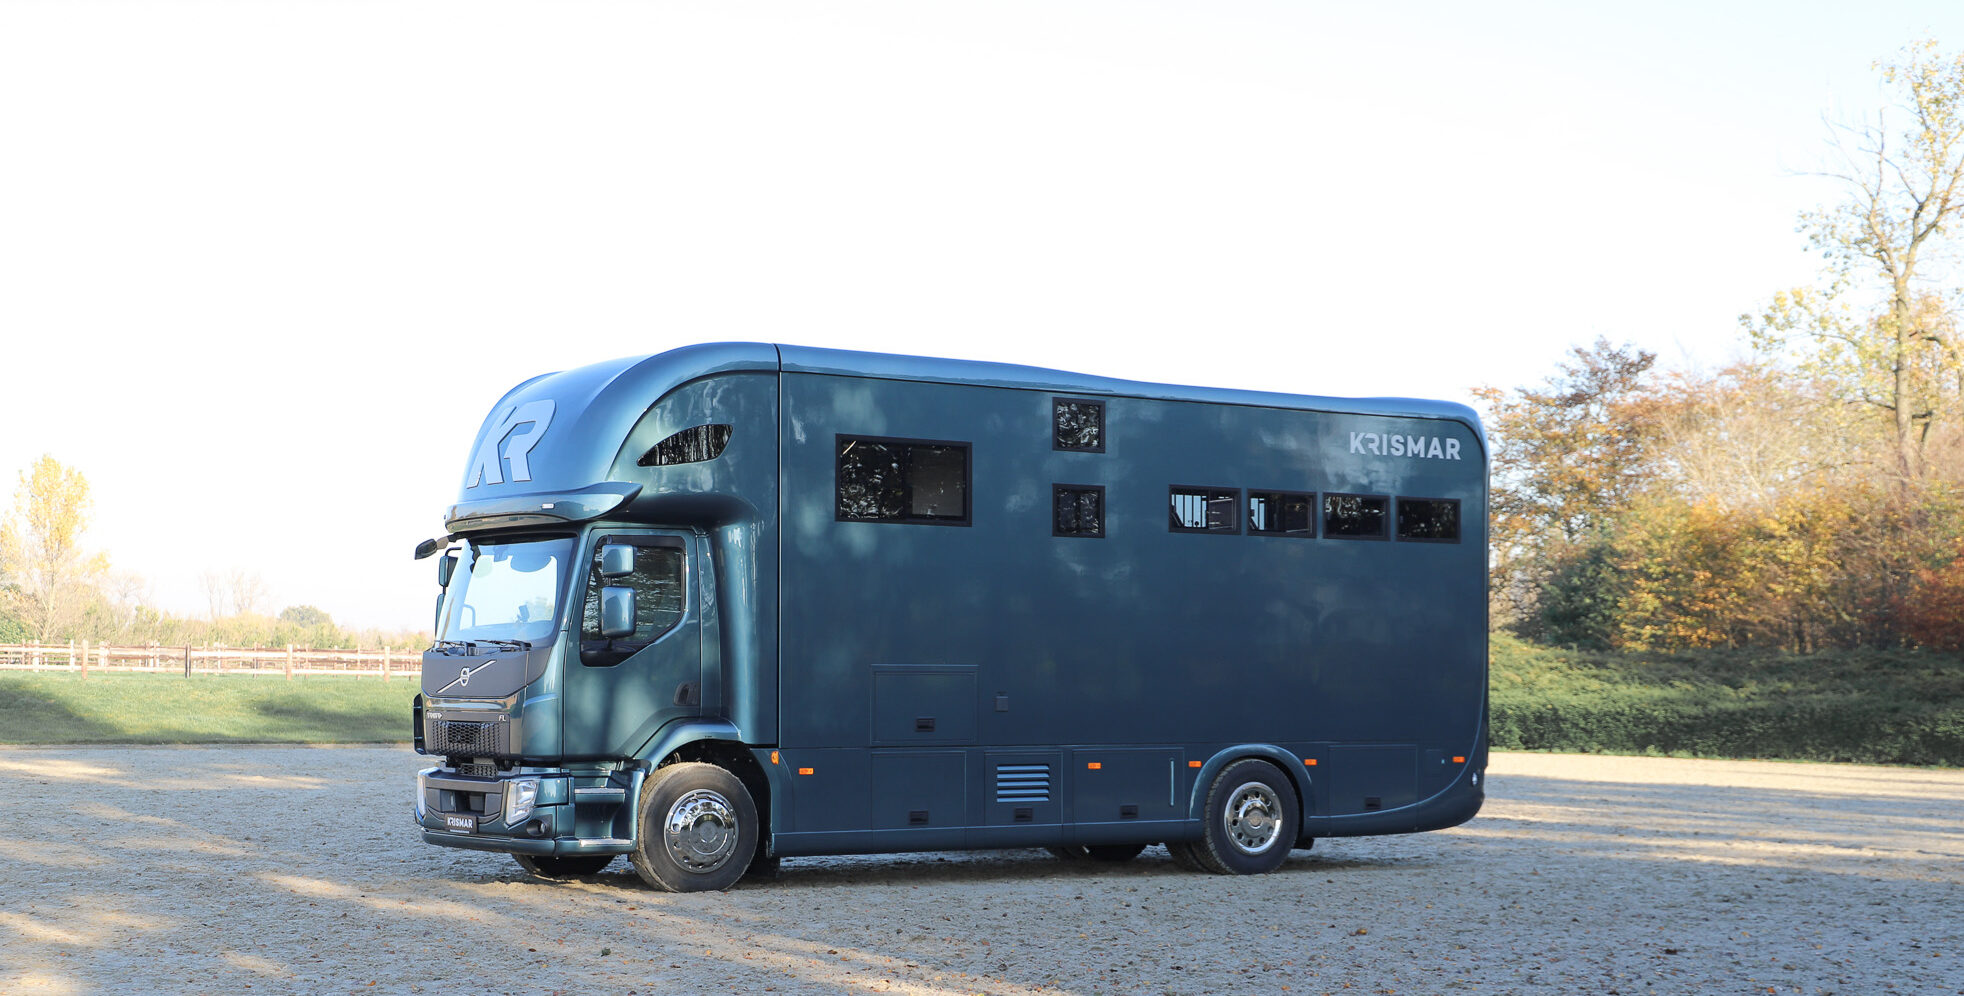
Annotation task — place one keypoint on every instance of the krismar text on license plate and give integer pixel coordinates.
(460, 824)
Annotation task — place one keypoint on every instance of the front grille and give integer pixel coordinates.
(460, 738)
(478, 770)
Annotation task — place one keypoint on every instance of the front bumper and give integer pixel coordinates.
(573, 813)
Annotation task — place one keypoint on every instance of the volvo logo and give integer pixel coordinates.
(463, 679)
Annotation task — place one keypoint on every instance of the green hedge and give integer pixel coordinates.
(1877, 707)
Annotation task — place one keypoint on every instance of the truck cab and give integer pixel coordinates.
(581, 631)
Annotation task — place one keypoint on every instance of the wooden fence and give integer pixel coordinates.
(189, 660)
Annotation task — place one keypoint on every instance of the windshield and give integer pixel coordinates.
(507, 591)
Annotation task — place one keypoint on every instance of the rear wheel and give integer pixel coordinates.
(563, 866)
(698, 829)
(1251, 820)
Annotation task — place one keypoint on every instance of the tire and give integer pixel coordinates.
(698, 829)
(1114, 853)
(1251, 820)
(1182, 854)
(547, 866)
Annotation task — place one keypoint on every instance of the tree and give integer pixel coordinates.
(233, 592)
(48, 581)
(1567, 458)
(1877, 326)
(1749, 435)
(305, 616)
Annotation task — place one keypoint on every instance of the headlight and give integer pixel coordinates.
(520, 795)
(422, 793)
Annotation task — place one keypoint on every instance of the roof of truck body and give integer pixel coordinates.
(675, 367)
(890, 366)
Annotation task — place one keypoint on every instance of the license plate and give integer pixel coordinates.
(460, 824)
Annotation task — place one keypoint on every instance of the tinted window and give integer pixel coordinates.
(1435, 519)
(659, 598)
(692, 445)
(1077, 510)
(1354, 516)
(897, 480)
(1203, 510)
(1079, 425)
(1280, 513)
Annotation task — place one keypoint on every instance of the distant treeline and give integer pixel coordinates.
(52, 590)
(105, 621)
(1752, 507)
(138, 625)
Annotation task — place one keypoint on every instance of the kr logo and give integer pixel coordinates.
(487, 465)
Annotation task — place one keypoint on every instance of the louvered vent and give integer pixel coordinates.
(1022, 783)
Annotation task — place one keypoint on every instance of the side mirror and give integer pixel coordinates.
(616, 611)
(444, 569)
(616, 560)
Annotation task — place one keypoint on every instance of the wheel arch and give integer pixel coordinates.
(1290, 766)
(712, 742)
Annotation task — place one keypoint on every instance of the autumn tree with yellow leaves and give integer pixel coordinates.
(47, 579)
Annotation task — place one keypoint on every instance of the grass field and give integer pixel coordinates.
(1878, 707)
(66, 708)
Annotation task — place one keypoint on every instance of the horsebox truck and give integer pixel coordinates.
(735, 602)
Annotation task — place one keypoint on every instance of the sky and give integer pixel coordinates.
(265, 266)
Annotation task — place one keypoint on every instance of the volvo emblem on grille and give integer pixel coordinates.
(463, 679)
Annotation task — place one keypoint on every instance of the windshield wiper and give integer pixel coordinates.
(474, 644)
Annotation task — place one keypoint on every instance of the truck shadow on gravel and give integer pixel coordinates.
(1023, 865)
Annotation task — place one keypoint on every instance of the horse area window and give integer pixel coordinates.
(1281, 513)
(1203, 510)
(1077, 510)
(1078, 425)
(902, 480)
(1354, 516)
(1433, 520)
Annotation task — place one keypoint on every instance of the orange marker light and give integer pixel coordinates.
(1094, 765)
(1310, 761)
(1193, 764)
(1458, 759)
(804, 771)
(773, 757)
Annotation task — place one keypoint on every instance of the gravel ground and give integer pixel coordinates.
(295, 869)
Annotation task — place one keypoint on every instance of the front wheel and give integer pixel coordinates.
(698, 829)
(1251, 822)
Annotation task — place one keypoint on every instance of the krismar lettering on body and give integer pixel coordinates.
(1392, 444)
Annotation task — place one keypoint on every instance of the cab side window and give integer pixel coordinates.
(659, 601)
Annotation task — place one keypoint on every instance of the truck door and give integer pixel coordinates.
(620, 690)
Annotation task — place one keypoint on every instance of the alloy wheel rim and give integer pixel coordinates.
(1253, 817)
(701, 830)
